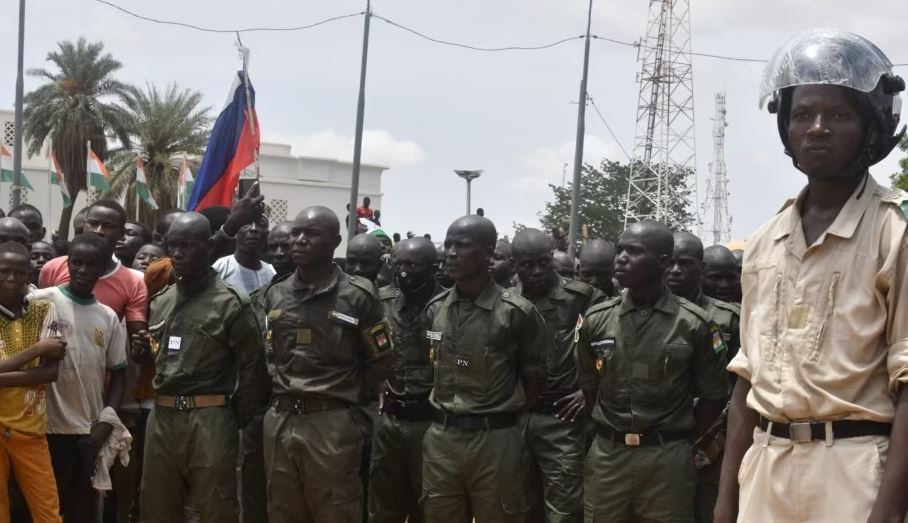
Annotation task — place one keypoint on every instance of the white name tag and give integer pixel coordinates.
(174, 343)
(344, 318)
(433, 335)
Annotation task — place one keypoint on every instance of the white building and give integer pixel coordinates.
(289, 183)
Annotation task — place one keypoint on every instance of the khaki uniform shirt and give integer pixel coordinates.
(824, 328)
(562, 308)
(727, 316)
(484, 350)
(412, 372)
(329, 340)
(206, 340)
(648, 364)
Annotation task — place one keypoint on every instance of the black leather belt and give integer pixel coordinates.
(307, 405)
(409, 410)
(802, 432)
(474, 422)
(643, 439)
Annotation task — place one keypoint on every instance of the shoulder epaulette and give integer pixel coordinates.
(732, 307)
(362, 283)
(242, 296)
(577, 287)
(788, 203)
(439, 297)
(517, 301)
(388, 293)
(160, 292)
(261, 291)
(604, 305)
(897, 197)
(693, 308)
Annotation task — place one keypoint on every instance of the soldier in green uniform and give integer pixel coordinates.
(501, 268)
(721, 277)
(396, 469)
(486, 344)
(643, 357)
(331, 343)
(206, 344)
(556, 438)
(364, 256)
(684, 277)
(597, 266)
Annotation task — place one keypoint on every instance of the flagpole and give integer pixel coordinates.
(137, 187)
(87, 171)
(250, 115)
(358, 137)
(50, 171)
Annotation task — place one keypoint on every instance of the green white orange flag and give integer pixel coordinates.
(6, 169)
(142, 185)
(56, 178)
(184, 185)
(98, 177)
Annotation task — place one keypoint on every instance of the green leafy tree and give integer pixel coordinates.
(900, 179)
(603, 198)
(166, 126)
(76, 104)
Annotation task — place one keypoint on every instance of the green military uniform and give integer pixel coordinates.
(727, 316)
(396, 470)
(207, 344)
(557, 447)
(484, 351)
(331, 343)
(645, 366)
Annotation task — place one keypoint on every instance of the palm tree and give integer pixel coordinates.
(167, 126)
(76, 104)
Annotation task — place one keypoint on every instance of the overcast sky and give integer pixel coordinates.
(431, 108)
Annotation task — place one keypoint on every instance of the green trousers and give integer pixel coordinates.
(191, 452)
(312, 462)
(646, 484)
(483, 471)
(253, 501)
(395, 473)
(708, 490)
(556, 449)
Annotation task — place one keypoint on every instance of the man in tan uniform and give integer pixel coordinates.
(824, 321)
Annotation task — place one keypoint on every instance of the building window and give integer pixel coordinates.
(9, 134)
(278, 210)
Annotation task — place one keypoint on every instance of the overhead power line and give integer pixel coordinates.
(212, 30)
(473, 47)
(638, 45)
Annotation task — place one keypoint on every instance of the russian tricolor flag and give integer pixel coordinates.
(231, 148)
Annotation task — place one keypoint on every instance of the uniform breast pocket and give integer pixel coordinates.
(189, 350)
(472, 368)
(677, 359)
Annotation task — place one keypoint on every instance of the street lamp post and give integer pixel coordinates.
(469, 176)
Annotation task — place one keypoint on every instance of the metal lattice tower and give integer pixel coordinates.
(716, 199)
(663, 179)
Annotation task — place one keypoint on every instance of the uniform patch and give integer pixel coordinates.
(174, 343)
(718, 341)
(797, 316)
(726, 337)
(433, 335)
(303, 336)
(344, 318)
(605, 343)
(379, 335)
(463, 362)
(273, 314)
(904, 206)
(577, 328)
(98, 337)
(154, 344)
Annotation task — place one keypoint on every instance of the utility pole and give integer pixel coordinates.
(358, 138)
(469, 176)
(578, 143)
(16, 190)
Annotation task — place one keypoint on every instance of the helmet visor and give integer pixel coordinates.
(824, 56)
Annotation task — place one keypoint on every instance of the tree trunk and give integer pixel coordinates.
(63, 227)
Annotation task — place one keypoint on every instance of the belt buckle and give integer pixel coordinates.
(298, 407)
(800, 432)
(181, 403)
(632, 440)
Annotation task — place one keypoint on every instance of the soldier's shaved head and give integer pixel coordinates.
(420, 248)
(320, 215)
(716, 255)
(13, 230)
(688, 243)
(365, 244)
(565, 265)
(531, 241)
(656, 236)
(596, 252)
(597, 265)
(477, 227)
(364, 254)
(191, 223)
(720, 279)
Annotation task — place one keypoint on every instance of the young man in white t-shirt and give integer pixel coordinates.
(244, 269)
(96, 339)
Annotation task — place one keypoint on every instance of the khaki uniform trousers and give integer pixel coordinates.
(785, 482)
(190, 454)
(483, 471)
(312, 462)
(645, 484)
(395, 483)
(557, 450)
